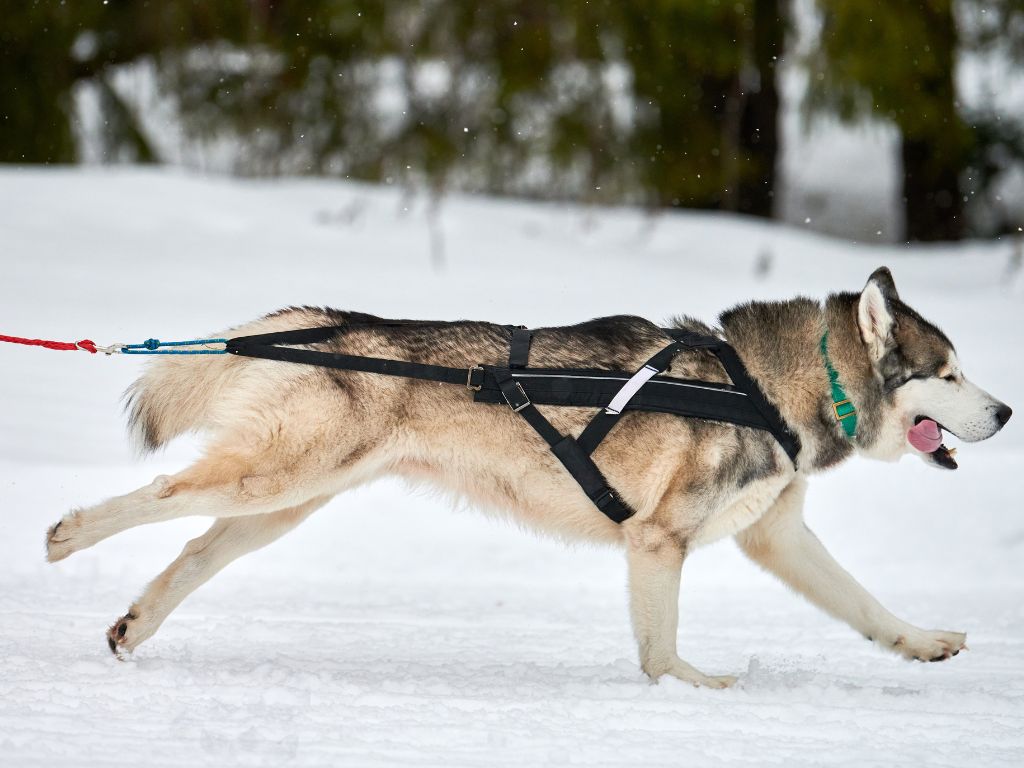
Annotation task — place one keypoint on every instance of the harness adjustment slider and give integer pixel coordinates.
(469, 378)
(518, 405)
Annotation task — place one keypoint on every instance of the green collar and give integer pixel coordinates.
(846, 413)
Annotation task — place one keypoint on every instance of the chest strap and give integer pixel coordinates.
(566, 449)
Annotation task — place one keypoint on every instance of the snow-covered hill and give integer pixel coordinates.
(370, 649)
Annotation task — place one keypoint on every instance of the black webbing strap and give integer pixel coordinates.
(264, 346)
(519, 348)
(577, 461)
(602, 423)
(743, 403)
(588, 388)
(743, 381)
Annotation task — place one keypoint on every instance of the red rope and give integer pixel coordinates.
(85, 344)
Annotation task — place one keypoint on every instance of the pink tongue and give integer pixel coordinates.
(925, 436)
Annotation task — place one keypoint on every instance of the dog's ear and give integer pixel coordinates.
(874, 312)
(883, 277)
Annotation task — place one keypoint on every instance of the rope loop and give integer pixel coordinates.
(64, 346)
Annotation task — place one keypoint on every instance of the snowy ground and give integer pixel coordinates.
(373, 650)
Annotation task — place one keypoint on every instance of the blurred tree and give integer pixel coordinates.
(898, 60)
(992, 31)
(47, 47)
(759, 121)
(665, 103)
(673, 103)
(36, 72)
(705, 133)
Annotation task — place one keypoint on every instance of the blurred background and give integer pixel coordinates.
(875, 121)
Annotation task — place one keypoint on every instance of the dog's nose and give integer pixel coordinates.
(1003, 415)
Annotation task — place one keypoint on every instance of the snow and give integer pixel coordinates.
(390, 629)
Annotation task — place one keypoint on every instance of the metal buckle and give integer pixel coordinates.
(469, 378)
(110, 350)
(840, 417)
(517, 409)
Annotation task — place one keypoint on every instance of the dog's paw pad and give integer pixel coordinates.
(120, 638)
(930, 646)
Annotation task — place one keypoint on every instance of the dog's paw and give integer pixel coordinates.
(62, 538)
(126, 633)
(716, 681)
(929, 646)
(680, 670)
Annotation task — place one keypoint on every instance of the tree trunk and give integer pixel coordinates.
(934, 150)
(759, 136)
(35, 98)
(932, 201)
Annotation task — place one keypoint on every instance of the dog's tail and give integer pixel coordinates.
(173, 396)
(179, 394)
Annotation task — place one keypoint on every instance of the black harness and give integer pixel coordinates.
(523, 388)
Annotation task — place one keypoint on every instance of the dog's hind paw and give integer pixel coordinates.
(60, 538)
(122, 637)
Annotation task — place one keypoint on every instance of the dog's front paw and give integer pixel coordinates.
(681, 670)
(922, 645)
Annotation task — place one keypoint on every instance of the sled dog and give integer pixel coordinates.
(284, 438)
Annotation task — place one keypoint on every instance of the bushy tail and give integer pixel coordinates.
(179, 394)
(172, 397)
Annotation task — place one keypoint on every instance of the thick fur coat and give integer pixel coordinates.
(284, 438)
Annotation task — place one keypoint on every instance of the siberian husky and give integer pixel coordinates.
(283, 439)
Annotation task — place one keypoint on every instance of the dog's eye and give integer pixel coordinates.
(912, 377)
(949, 377)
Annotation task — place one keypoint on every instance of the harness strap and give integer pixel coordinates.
(519, 348)
(743, 381)
(567, 450)
(263, 346)
(742, 403)
(605, 420)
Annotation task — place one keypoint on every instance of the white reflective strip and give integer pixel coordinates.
(630, 388)
(623, 378)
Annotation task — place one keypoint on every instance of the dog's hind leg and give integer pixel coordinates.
(222, 484)
(654, 571)
(781, 543)
(226, 540)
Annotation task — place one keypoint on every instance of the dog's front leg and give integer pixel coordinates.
(654, 570)
(782, 544)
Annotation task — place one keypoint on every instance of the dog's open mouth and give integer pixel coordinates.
(926, 436)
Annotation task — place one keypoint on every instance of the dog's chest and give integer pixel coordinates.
(739, 512)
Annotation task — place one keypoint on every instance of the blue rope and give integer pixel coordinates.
(153, 347)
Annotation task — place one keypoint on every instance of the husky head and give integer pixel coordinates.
(919, 389)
